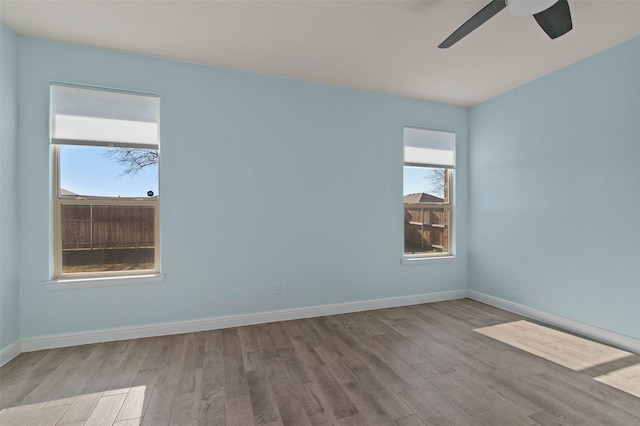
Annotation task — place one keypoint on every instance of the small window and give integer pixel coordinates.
(106, 195)
(429, 161)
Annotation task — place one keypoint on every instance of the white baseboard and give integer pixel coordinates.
(178, 327)
(599, 334)
(168, 328)
(9, 352)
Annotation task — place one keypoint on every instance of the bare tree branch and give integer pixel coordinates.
(132, 160)
(437, 180)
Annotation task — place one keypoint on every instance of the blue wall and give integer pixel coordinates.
(555, 192)
(269, 180)
(263, 179)
(9, 288)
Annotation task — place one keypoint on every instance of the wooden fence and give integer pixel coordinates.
(107, 226)
(426, 228)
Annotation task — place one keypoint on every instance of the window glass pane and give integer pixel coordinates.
(99, 238)
(426, 227)
(107, 172)
(424, 180)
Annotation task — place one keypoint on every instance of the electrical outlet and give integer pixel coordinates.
(277, 288)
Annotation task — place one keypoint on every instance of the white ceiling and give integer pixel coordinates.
(384, 46)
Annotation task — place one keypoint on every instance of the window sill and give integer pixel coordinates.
(414, 261)
(65, 284)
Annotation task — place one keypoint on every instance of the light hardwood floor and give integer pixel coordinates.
(417, 365)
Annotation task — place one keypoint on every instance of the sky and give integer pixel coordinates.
(86, 170)
(418, 179)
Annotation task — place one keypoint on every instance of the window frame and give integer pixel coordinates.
(448, 204)
(59, 201)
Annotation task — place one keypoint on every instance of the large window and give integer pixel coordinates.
(106, 194)
(429, 161)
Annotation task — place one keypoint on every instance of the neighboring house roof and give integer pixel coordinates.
(67, 193)
(421, 197)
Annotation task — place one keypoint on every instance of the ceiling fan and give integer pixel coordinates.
(553, 16)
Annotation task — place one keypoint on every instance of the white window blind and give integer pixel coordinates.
(81, 115)
(431, 148)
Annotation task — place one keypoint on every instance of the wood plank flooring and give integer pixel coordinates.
(407, 366)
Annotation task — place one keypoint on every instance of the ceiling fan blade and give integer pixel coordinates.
(476, 20)
(556, 20)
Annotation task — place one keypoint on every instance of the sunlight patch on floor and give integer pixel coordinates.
(570, 351)
(626, 379)
(562, 348)
(115, 405)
